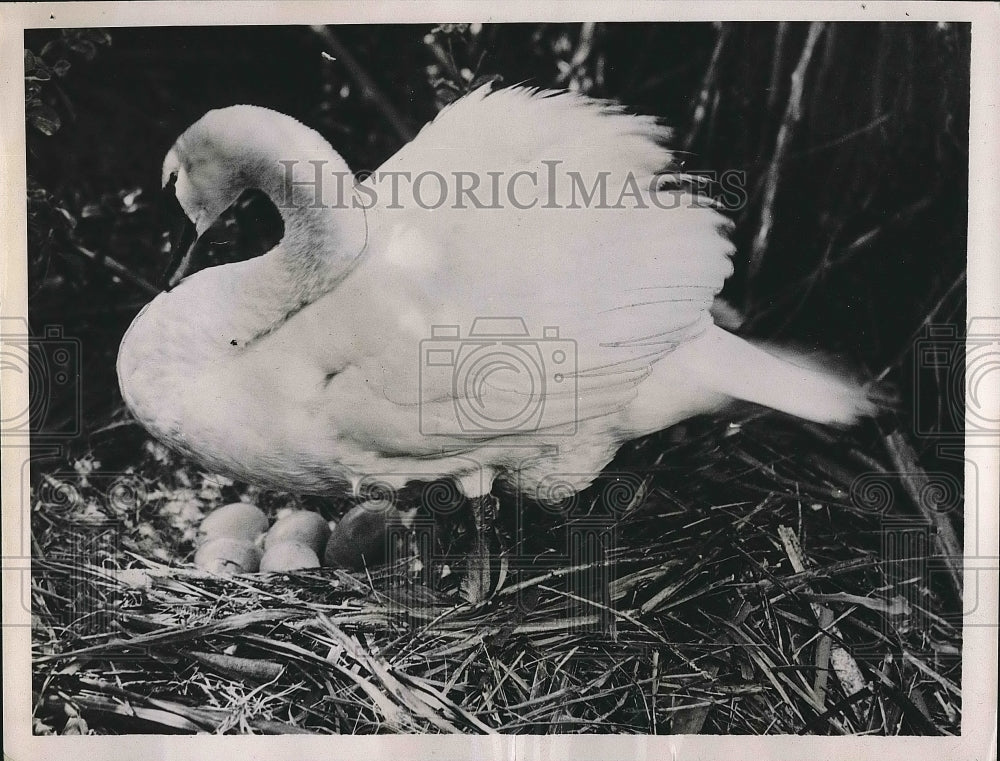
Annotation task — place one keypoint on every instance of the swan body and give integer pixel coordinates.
(307, 368)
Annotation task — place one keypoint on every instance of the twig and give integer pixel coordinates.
(118, 269)
(846, 137)
(779, 48)
(793, 114)
(369, 89)
(865, 240)
(908, 344)
(915, 481)
(843, 663)
(800, 290)
(707, 83)
(584, 47)
(774, 88)
(691, 719)
(824, 649)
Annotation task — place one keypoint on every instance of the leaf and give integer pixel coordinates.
(443, 29)
(239, 668)
(86, 48)
(444, 97)
(98, 36)
(156, 716)
(40, 72)
(45, 120)
(60, 67)
(29, 61)
(484, 79)
(76, 726)
(271, 727)
(70, 219)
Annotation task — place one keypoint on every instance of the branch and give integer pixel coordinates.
(369, 90)
(118, 269)
(915, 481)
(779, 50)
(793, 114)
(931, 316)
(577, 64)
(707, 84)
(801, 289)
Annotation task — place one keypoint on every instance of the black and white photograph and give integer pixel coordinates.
(473, 376)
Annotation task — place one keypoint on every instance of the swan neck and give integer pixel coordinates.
(325, 230)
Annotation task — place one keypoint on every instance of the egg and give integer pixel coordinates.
(361, 537)
(288, 556)
(302, 526)
(239, 520)
(226, 555)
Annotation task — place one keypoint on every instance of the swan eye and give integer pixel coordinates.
(172, 182)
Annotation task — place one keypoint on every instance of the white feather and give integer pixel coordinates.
(304, 368)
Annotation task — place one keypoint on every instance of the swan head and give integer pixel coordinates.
(201, 189)
(217, 158)
(237, 148)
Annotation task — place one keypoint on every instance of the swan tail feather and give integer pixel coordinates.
(782, 379)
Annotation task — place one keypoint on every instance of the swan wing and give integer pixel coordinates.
(523, 292)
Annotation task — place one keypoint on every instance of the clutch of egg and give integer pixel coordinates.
(235, 538)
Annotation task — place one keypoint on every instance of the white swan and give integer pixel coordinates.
(317, 365)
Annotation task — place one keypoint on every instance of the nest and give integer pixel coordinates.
(762, 578)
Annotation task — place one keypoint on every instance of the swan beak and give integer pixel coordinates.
(183, 240)
(183, 237)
